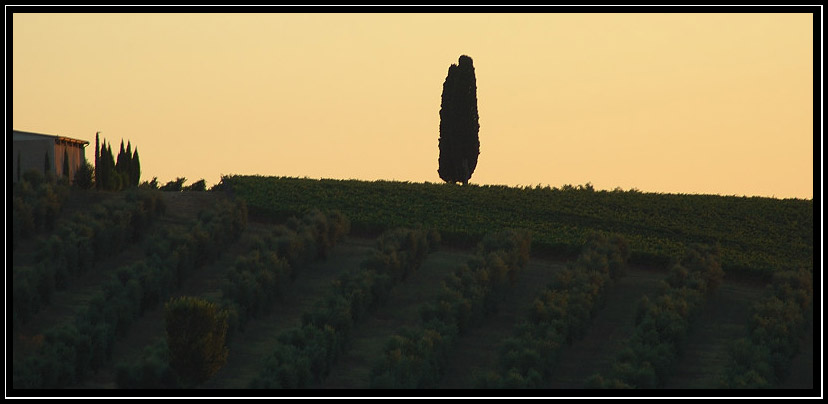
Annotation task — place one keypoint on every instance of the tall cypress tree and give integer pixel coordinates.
(46, 165)
(128, 164)
(97, 154)
(106, 167)
(100, 170)
(459, 143)
(119, 165)
(18, 166)
(111, 171)
(136, 168)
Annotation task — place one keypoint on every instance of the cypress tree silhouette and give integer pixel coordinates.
(101, 172)
(66, 163)
(106, 175)
(128, 165)
(113, 180)
(459, 144)
(136, 168)
(121, 163)
(97, 155)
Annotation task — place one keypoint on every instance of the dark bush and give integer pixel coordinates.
(88, 344)
(176, 185)
(198, 186)
(417, 359)
(663, 323)
(151, 371)
(306, 354)
(196, 332)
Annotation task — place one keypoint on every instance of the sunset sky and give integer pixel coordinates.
(674, 103)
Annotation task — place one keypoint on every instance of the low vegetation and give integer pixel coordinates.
(80, 242)
(560, 314)
(662, 324)
(249, 288)
(775, 328)
(416, 358)
(755, 236)
(584, 239)
(305, 354)
(68, 352)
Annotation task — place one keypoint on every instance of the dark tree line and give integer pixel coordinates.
(111, 173)
(459, 144)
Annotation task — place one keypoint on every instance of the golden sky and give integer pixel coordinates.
(677, 103)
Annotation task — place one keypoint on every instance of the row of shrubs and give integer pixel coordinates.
(203, 241)
(559, 314)
(36, 204)
(69, 351)
(776, 326)
(662, 325)
(76, 245)
(305, 354)
(263, 275)
(251, 284)
(416, 358)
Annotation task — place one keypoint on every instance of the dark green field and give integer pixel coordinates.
(757, 236)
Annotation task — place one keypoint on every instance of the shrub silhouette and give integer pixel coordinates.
(196, 332)
(199, 185)
(175, 186)
(83, 177)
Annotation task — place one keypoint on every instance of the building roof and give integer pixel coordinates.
(21, 135)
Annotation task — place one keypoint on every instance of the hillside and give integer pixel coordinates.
(220, 235)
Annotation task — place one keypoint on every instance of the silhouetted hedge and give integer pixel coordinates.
(36, 204)
(304, 354)
(758, 235)
(153, 370)
(559, 314)
(264, 274)
(417, 358)
(254, 281)
(526, 357)
(71, 350)
(662, 325)
(88, 237)
(776, 326)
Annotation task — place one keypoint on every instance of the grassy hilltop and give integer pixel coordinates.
(756, 235)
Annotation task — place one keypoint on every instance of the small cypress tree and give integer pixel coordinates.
(46, 165)
(65, 163)
(83, 177)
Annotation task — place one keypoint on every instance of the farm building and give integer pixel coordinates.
(32, 150)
